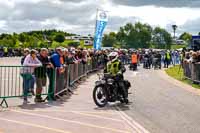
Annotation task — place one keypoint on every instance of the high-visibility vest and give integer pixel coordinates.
(181, 56)
(134, 58)
(168, 55)
(5, 49)
(113, 67)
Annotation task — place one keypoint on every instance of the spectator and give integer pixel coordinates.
(41, 73)
(198, 56)
(194, 58)
(30, 63)
(173, 58)
(167, 59)
(69, 59)
(5, 50)
(58, 62)
(26, 52)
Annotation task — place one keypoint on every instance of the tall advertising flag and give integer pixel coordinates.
(101, 22)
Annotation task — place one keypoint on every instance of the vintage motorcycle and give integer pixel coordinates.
(108, 89)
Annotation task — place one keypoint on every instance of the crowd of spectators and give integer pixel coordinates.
(10, 52)
(38, 66)
(192, 57)
(191, 65)
(151, 56)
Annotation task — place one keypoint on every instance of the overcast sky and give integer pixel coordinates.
(78, 16)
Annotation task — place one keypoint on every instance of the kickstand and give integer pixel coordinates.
(4, 101)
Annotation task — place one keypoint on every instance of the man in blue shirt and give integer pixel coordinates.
(58, 62)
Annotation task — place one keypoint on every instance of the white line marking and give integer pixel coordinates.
(54, 110)
(106, 118)
(71, 121)
(127, 122)
(132, 123)
(34, 125)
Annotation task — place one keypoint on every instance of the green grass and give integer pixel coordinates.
(177, 73)
(178, 46)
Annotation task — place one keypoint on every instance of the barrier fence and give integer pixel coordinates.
(191, 71)
(17, 81)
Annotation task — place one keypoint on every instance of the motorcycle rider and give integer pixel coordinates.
(116, 69)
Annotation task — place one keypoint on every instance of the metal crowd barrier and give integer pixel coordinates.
(192, 71)
(73, 73)
(16, 81)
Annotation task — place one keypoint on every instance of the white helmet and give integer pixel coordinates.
(113, 56)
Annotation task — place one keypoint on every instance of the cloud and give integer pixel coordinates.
(159, 3)
(78, 16)
(32, 15)
(192, 26)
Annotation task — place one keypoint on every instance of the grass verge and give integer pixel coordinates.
(178, 46)
(177, 73)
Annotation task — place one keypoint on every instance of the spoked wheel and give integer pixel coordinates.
(100, 96)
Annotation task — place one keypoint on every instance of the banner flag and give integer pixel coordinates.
(101, 22)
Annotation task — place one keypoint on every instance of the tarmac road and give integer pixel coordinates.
(161, 104)
(72, 114)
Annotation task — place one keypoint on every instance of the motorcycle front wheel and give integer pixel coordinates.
(100, 96)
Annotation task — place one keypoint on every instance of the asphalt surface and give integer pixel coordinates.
(158, 104)
(161, 104)
(75, 113)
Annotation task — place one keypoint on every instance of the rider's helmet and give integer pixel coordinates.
(113, 56)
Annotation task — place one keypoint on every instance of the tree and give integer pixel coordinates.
(31, 42)
(73, 44)
(8, 42)
(185, 36)
(44, 44)
(109, 40)
(59, 38)
(40, 38)
(161, 38)
(135, 36)
(22, 37)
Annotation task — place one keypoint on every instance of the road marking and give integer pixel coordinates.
(132, 123)
(127, 122)
(87, 112)
(76, 112)
(35, 125)
(71, 121)
(106, 118)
